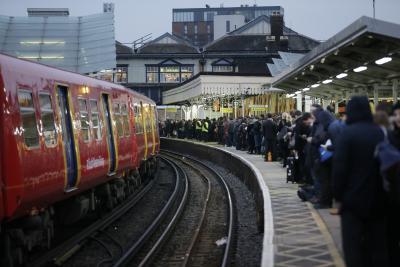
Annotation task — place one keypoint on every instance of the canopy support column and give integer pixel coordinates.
(376, 95)
(395, 87)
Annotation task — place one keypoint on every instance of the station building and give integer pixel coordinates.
(84, 44)
(239, 57)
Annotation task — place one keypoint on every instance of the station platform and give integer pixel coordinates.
(300, 235)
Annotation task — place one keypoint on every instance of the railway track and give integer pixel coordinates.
(192, 227)
(65, 250)
(203, 234)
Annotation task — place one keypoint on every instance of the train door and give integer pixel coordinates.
(109, 134)
(153, 127)
(144, 116)
(68, 138)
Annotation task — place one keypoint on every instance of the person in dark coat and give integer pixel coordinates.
(322, 170)
(270, 130)
(250, 137)
(257, 127)
(357, 185)
(394, 203)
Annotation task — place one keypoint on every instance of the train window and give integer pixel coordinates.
(125, 119)
(153, 110)
(117, 118)
(28, 118)
(84, 118)
(96, 127)
(147, 118)
(138, 120)
(48, 126)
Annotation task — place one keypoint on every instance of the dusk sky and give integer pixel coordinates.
(319, 19)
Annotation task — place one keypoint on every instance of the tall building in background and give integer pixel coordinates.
(203, 25)
(50, 36)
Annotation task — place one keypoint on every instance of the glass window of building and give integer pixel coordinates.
(209, 16)
(186, 73)
(222, 68)
(185, 29)
(121, 74)
(28, 118)
(195, 29)
(96, 127)
(169, 74)
(84, 118)
(228, 26)
(183, 17)
(48, 126)
(152, 74)
(208, 28)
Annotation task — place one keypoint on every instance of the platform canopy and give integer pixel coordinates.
(361, 59)
(216, 85)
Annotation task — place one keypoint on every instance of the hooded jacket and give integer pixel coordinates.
(356, 179)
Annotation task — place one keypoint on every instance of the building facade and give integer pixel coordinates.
(198, 25)
(169, 60)
(50, 36)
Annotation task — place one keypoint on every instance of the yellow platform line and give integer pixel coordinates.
(333, 250)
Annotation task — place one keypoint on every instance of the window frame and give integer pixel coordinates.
(117, 118)
(54, 118)
(100, 126)
(26, 90)
(88, 119)
(123, 117)
(138, 119)
(124, 70)
(164, 65)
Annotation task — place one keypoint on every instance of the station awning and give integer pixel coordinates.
(362, 57)
(216, 85)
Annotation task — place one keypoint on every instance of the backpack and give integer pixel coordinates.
(389, 165)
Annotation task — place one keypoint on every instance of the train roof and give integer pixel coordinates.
(64, 76)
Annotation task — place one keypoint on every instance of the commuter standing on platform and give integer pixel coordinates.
(359, 188)
(270, 130)
(394, 199)
(204, 129)
(198, 129)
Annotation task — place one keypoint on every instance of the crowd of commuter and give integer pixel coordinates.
(349, 162)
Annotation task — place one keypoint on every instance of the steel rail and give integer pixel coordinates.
(229, 242)
(135, 248)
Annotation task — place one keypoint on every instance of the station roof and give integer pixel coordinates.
(361, 44)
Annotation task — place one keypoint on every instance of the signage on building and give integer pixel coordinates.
(227, 110)
(258, 107)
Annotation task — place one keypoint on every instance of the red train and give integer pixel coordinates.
(70, 145)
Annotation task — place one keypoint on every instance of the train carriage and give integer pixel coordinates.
(69, 145)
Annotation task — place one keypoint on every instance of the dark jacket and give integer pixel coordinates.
(356, 180)
(270, 129)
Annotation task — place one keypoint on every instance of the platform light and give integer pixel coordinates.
(315, 85)
(383, 60)
(341, 75)
(360, 69)
(327, 81)
(41, 42)
(298, 92)
(306, 89)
